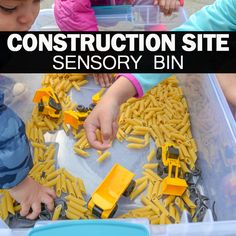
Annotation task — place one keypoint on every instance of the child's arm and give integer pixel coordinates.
(16, 162)
(75, 15)
(228, 85)
(219, 16)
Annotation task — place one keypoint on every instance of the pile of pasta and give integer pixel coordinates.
(44, 170)
(159, 116)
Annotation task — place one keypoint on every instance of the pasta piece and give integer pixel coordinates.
(138, 190)
(63, 183)
(188, 202)
(58, 186)
(151, 155)
(4, 208)
(103, 156)
(57, 212)
(70, 188)
(135, 145)
(76, 200)
(54, 174)
(81, 152)
(9, 202)
(149, 191)
(71, 215)
(155, 190)
(141, 180)
(150, 166)
(168, 200)
(77, 207)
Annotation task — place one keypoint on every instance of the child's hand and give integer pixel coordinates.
(167, 6)
(104, 80)
(30, 194)
(103, 117)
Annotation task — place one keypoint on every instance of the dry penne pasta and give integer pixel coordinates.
(57, 212)
(141, 180)
(138, 190)
(70, 188)
(103, 156)
(81, 152)
(150, 166)
(135, 145)
(151, 155)
(76, 200)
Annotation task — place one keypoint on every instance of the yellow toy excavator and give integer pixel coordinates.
(168, 157)
(77, 118)
(48, 102)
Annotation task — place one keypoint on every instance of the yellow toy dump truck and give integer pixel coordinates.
(103, 202)
(48, 102)
(168, 158)
(77, 118)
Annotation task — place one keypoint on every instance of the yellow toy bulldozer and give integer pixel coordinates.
(48, 102)
(168, 157)
(119, 181)
(77, 118)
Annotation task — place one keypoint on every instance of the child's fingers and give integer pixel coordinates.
(101, 80)
(106, 123)
(51, 192)
(111, 78)
(114, 129)
(95, 76)
(25, 207)
(46, 199)
(173, 6)
(91, 136)
(106, 79)
(36, 207)
(155, 2)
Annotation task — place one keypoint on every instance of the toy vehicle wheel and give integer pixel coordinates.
(97, 211)
(91, 106)
(160, 169)
(129, 189)
(113, 212)
(81, 108)
(41, 106)
(159, 152)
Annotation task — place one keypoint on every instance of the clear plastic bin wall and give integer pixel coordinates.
(119, 18)
(213, 128)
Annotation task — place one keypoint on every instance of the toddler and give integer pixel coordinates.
(15, 157)
(220, 16)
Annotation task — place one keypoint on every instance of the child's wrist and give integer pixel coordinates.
(19, 185)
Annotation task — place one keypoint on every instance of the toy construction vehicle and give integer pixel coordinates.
(103, 202)
(77, 118)
(97, 96)
(168, 158)
(48, 102)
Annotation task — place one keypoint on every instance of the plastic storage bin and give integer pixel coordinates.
(213, 128)
(119, 18)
